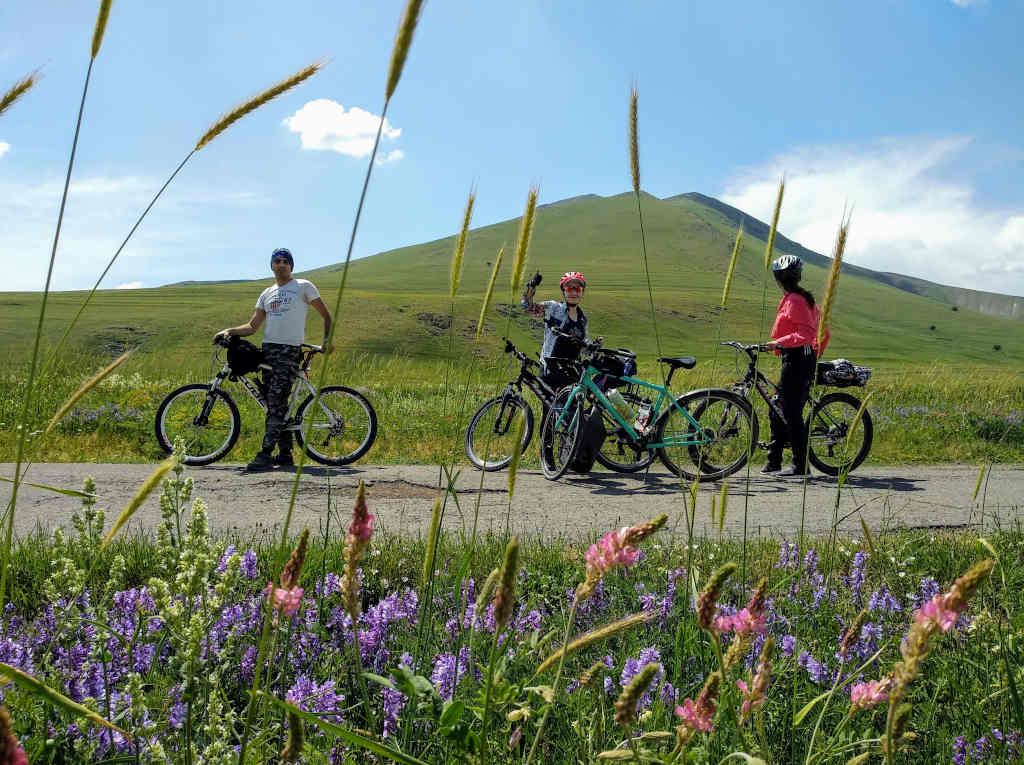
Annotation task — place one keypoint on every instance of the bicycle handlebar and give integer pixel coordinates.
(590, 345)
(750, 350)
(510, 348)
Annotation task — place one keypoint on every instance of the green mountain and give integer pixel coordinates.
(397, 302)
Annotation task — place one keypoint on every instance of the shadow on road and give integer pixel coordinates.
(890, 483)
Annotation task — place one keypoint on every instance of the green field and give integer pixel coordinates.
(941, 390)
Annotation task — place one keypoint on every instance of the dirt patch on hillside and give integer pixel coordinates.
(436, 323)
(113, 341)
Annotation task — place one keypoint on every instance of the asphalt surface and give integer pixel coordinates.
(575, 507)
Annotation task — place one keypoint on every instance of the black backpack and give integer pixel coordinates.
(592, 435)
(243, 357)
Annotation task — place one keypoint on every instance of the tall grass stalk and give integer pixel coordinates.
(523, 239)
(16, 91)
(101, 24)
(460, 245)
(732, 266)
(634, 166)
(215, 130)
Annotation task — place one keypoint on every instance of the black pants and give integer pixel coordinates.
(798, 367)
(284, 367)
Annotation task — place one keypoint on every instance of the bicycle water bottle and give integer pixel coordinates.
(643, 416)
(620, 404)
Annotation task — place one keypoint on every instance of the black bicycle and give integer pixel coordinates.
(837, 441)
(336, 425)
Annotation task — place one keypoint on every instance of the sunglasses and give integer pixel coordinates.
(574, 288)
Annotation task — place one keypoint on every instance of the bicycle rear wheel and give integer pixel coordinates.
(834, 445)
(560, 435)
(207, 423)
(491, 435)
(718, 444)
(338, 427)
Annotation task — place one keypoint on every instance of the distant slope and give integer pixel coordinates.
(985, 302)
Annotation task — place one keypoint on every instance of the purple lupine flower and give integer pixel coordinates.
(811, 563)
(528, 622)
(855, 581)
(309, 696)
(392, 702)
(927, 590)
(882, 600)
(959, 751)
(783, 554)
(328, 585)
(817, 671)
(249, 565)
(444, 677)
(247, 666)
(222, 564)
(649, 655)
(668, 695)
(787, 645)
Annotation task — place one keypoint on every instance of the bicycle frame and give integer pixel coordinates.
(587, 384)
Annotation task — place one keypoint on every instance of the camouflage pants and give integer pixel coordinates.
(284, 368)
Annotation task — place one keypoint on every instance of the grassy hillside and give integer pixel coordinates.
(394, 331)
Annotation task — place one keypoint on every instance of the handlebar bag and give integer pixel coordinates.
(614, 363)
(243, 357)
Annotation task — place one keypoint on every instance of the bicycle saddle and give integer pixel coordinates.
(686, 362)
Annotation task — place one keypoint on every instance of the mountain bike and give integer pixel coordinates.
(837, 442)
(710, 428)
(490, 434)
(336, 425)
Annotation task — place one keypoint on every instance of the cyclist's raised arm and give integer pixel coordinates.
(527, 302)
(244, 330)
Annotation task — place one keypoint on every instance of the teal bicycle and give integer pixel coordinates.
(702, 435)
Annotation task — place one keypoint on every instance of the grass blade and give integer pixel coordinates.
(140, 496)
(37, 688)
(349, 737)
(86, 387)
(55, 489)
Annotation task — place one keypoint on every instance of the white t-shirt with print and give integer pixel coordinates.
(285, 307)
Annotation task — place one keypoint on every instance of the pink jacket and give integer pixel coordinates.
(797, 324)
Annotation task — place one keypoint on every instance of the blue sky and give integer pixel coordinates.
(907, 111)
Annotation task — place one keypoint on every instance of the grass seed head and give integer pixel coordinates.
(517, 454)
(523, 241)
(770, 247)
(403, 41)
(431, 551)
(625, 707)
(634, 148)
(732, 266)
(293, 568)
(16, 91)
(256, 102)
(597, 635)
(505, 598)
(723, 503)
(460, 245)
(487, 590)
(833, 279)
(140, 496)
(101, 26)
(853, 632)
(490, 291)
(707, 602)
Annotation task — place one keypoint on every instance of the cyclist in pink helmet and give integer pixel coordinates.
(566, 316)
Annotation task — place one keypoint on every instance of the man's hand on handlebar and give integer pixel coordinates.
(221, 338)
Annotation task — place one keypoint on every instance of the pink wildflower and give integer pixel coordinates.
(867, 695)
(11, 752)
(285, 601)
(747, 698)
(743, 623)
(612, 550)
(940, 610)
(696, 717)
(362, 519)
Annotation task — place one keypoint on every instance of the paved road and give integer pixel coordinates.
(401, 496)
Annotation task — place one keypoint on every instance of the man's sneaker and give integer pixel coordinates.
(769, 468)
(260, 462)
(792, 471)
(284, 459)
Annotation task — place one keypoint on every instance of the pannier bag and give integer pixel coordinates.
(841, 373)
(592, 435)
(617, 363)
(243, 357)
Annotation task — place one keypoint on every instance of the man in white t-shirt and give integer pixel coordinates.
(283, 306)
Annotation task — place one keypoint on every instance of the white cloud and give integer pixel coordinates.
(325, 125)
(906, 217)
(4, 147)
(100, 211)
(130, 286)
(392, 156)
(966, 3)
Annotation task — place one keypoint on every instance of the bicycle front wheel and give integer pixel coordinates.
(718, 440)
(207, 423)
(337, 427)
(491, 435)
(560, 434)
(837, 443)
